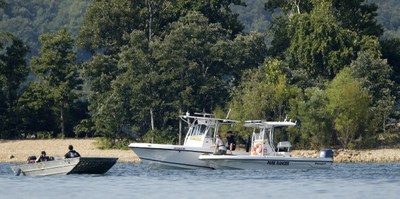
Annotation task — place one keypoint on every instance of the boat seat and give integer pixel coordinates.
(283, 146)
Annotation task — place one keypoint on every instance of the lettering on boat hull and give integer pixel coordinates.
(278, 162)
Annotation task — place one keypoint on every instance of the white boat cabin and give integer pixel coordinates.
(262, 142)
(203, 129)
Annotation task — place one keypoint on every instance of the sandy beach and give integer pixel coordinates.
(19, 150)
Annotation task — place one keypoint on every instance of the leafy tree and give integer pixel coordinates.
(13, 72)
(349, 105)
(315, 121)
(374, 74)
(263, 93)
(191, 76)
(319, 46)
(185, 78)
(36, 110)
(358, 16)
(355, 18)
(217, 11)
(56, 68)
(105, 23)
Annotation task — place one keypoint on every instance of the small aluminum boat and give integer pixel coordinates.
(79, 165)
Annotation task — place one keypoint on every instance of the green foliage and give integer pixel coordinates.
(160, 136)
(319, 46)
(314, 119)
(107, 143)
(349, 106)
(45, 135)
(263, 94)
(152, 59)
(13, 72)
(84, 129)
(105, 23)
(358, 15)
(216, 11)
(374, 74)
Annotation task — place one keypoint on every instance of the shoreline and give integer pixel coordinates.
(16, 151)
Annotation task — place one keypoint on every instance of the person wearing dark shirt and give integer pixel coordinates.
(43, 157)
(231, 141)
(71, 153)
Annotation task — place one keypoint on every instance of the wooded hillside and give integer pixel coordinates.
(124, 70)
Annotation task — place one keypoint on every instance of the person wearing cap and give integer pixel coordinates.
(220, 146)
(43, 157)
(71, 153)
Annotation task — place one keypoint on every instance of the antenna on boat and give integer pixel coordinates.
(227, 115)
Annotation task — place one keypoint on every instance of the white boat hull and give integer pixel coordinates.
(171, 156)
(265, 162)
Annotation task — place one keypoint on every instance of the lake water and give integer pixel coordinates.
(129, 180)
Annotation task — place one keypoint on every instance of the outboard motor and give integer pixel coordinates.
(326, 153)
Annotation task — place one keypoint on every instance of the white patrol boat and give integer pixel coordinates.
(199, 139)
(264, 155)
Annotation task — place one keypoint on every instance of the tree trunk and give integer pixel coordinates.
(62, 122)
(180, 128)
(152, 124)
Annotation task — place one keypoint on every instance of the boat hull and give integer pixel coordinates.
(80, 165)
(171, 156)
(265, 162)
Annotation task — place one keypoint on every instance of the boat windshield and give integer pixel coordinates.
(199, 130)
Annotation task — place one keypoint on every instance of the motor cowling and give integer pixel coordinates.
(326, 153)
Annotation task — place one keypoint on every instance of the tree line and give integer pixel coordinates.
(323, 63)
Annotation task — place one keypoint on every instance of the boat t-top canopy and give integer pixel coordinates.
(207, 119)
(268, 124)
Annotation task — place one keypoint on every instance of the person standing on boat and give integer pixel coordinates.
(220, 146)
(43, 157)
(231, 141)
(71, 153)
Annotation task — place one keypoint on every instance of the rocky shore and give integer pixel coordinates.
(19, 150)
(371, 155)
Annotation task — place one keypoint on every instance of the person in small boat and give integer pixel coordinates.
(31, 159)
(43, 157)
(220, 146)
(71, 153)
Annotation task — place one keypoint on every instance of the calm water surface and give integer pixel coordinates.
(128, 180)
